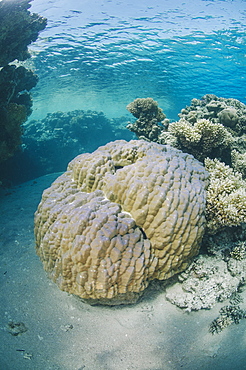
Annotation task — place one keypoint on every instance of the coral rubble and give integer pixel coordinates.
(210, 279)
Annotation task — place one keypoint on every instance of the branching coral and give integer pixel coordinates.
(239, 162)
(120, 217)
(226, 196)
(200, 139)
(228, 315)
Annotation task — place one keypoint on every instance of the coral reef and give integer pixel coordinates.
(231, 113)
(50, 143)
(119, 217)
(15, 106)
(210, 126)
(18, 28)
(226, 196)
(213, 130)
(223, 129)
(149, 116)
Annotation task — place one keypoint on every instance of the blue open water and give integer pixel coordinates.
(102, 54)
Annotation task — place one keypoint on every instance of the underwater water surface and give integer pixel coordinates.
(101, 55)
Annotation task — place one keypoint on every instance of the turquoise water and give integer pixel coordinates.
(101, 55)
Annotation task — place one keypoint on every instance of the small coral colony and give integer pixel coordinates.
(131, 212)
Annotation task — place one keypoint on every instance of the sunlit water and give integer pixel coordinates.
(101, 55)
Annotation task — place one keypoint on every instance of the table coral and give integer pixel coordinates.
(119, 217)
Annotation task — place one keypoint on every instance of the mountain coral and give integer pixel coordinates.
(119, 217)
(149, 117)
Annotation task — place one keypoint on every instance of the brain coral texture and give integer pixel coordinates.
(119, 217)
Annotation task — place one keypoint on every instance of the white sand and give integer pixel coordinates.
(65, 333)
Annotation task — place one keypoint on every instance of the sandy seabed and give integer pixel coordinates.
(64, 333)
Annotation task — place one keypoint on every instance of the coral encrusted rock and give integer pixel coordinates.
(18, 28)
(119, 217)
(15, 106)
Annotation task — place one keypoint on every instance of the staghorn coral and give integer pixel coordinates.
(148, 115)
(201, 139)
(226, 196)
(120, 217)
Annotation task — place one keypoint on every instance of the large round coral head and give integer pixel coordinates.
(119, 217)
